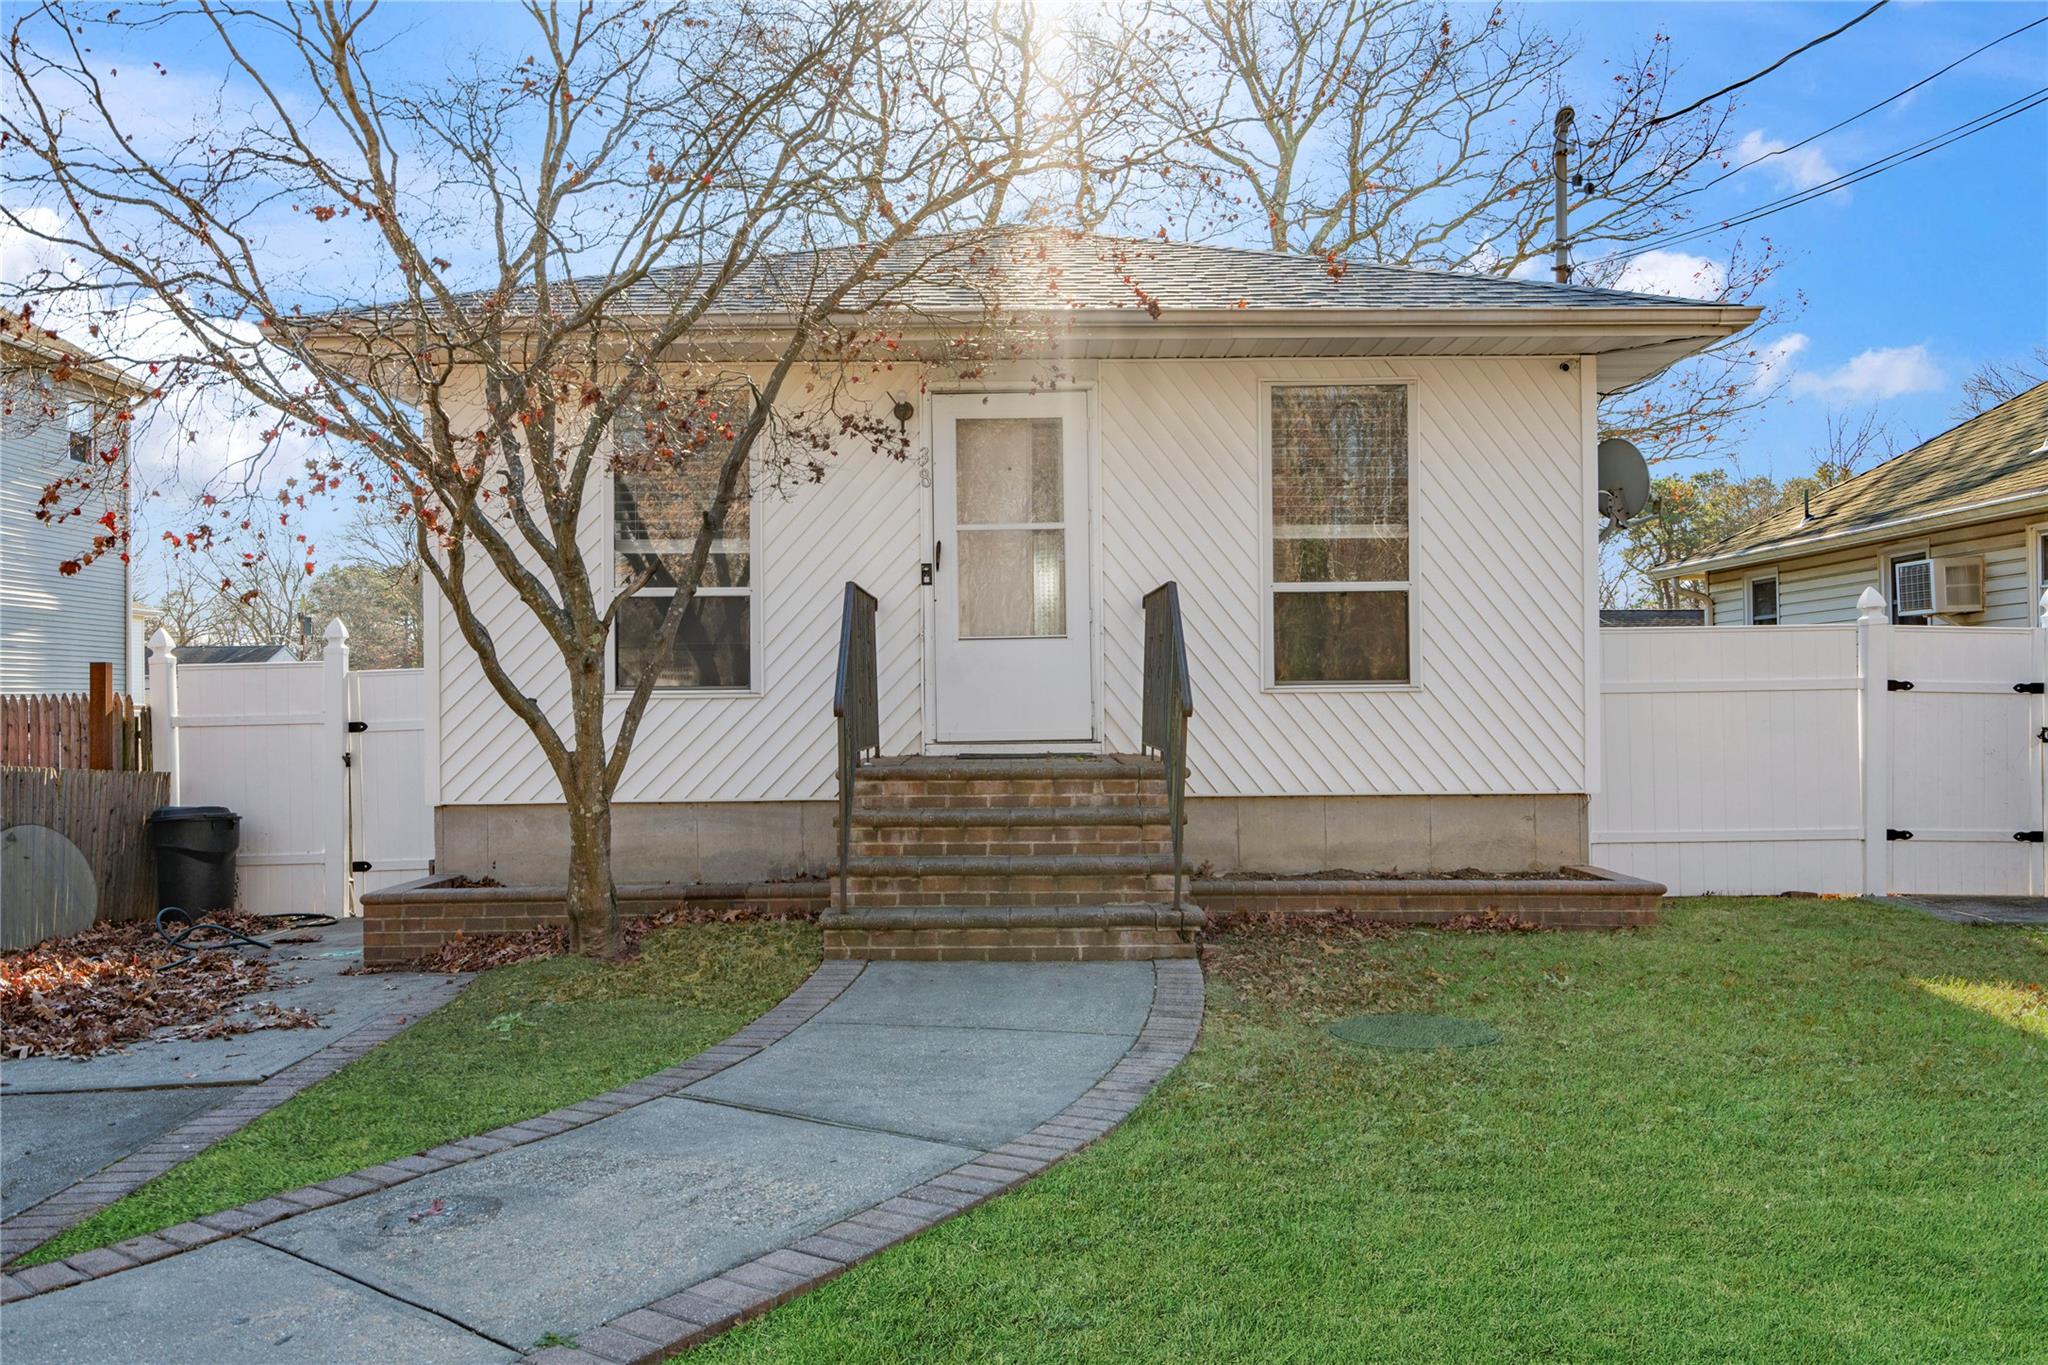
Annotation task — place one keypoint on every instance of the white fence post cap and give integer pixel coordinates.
(161, 642)
(336, 633)
(1870, 606)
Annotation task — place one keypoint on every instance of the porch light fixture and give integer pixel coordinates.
(903, 412)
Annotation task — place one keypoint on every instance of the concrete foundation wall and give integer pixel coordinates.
(757, 840)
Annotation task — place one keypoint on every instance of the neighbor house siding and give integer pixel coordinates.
(1499, 700)
(1820, 589)
(52, 626)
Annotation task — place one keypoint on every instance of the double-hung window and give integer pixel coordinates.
(1763, 600)
(78, 429)
(1340, 544)
(664, 479)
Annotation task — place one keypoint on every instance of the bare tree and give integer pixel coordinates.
(659, 240)
(1996, 382)
(1406, 132)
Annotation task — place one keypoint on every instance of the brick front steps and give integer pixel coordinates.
(404, 923)
(1019, 933)
(1020, 859)
(1583, 898)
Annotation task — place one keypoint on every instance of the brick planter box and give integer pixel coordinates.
(403, 923)
(1584, 898)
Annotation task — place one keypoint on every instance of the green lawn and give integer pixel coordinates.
(1764, 1130)
(518, 1042)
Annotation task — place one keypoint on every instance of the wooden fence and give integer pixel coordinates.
(95, 729)
(75, 848)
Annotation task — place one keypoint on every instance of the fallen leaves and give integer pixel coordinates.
(113, 985)
(484, 952)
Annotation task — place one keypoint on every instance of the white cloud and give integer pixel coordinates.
(1797, 169)
(1678, 274)
(1774, 361)
(1882, 372)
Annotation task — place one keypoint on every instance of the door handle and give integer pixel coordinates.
(928, 570)
(938, 554)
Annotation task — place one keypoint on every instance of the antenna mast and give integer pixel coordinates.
(1559, 153)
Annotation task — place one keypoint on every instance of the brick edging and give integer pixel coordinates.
(820, 989)
(722, 1301)
(67, 1208)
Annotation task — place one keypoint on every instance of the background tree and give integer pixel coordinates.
(1694, 513)
(374, 590)
(2001, 381)
(469, 295)
(1407, 132)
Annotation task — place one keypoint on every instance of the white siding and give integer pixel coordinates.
(51, 626)
(1500, 594)
(1498, 569)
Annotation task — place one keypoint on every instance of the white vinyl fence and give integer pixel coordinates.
(326, 767)
(1852, 759)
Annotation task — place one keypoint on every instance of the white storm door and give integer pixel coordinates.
(1014, 652)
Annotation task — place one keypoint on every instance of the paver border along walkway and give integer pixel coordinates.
(720, 1301)
(72, 1205)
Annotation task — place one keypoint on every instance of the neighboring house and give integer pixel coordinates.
(61, 404)
(1652, 616)
(1952, 531)
(235, 654)
(1376, 494)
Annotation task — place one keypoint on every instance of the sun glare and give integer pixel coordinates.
(2022, 1004)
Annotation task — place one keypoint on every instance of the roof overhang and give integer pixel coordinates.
(1631, 343)
(1849, 537)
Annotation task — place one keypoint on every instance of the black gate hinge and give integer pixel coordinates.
(2032, 836)
(1898, 834)
(359, 866)
(348, 760)
(2031, 689)
(1897, 685)
(356, 727)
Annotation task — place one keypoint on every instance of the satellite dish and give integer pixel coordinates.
(1624, 482)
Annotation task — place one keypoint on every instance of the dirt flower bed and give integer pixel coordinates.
(114, 984)
(482, 952)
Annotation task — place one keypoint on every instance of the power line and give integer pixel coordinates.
(1746, 80)
(1888, 99)
(1913, 152)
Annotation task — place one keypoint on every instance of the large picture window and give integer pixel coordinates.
(1340, 563)
(661, 489)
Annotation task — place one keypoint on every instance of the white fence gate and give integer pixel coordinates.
(1851, 759)
(325, 766)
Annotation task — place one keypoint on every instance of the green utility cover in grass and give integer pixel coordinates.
(1414, 1032)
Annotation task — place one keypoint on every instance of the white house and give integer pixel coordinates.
(1953, 531)
(60, 409)
(1374, 488)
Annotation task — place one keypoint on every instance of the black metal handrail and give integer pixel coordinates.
(856, 706)
(1169, 701)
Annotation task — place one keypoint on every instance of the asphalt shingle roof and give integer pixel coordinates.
(1053, 269)
(1996, 454)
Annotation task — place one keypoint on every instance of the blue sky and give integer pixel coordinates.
(1948, 254)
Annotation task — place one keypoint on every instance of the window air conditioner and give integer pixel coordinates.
(1959, 584)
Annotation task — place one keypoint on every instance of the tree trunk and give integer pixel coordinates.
(593, 900)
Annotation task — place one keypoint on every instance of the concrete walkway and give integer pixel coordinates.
(671, 1212)
(76, 1134)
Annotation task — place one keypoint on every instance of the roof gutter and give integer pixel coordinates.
(1855, 535)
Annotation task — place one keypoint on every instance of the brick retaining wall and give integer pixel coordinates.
(404, 923)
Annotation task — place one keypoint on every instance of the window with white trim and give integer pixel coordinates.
(1763, 600)
(79, 419)
(664, 479)
(1912, 590)
(1341, 546)
(2040, 575)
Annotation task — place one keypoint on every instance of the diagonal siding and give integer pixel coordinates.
(1502, 654)
(1499, 709)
